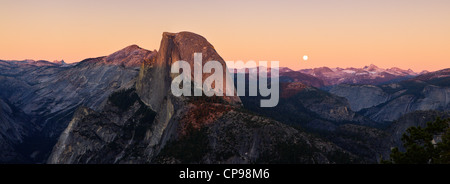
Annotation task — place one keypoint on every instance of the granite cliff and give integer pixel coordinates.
(147, 124)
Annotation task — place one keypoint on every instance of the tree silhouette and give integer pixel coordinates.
(429, 145)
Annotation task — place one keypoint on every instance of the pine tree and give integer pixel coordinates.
(421, 145)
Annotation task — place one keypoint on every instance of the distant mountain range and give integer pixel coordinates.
(28, 62)
(120, 109)
(367, 75)
(324, 76)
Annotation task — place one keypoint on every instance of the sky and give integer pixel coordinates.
(411, 34)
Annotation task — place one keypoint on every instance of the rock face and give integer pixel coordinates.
(177, 47)
(153, 85)
(49, 94)
(183, 129)
(360, 96)
(434, 98)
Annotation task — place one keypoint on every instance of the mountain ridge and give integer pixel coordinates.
(367, 75)
(49, 94)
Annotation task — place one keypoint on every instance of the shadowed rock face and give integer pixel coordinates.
(119, 133)
(14, 127)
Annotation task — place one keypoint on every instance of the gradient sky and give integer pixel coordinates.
(336, 33)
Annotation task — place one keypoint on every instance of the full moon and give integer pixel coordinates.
(305, 57)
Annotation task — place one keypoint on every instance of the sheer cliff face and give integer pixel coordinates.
(154, 80)
(153, 88)
(147, 124)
